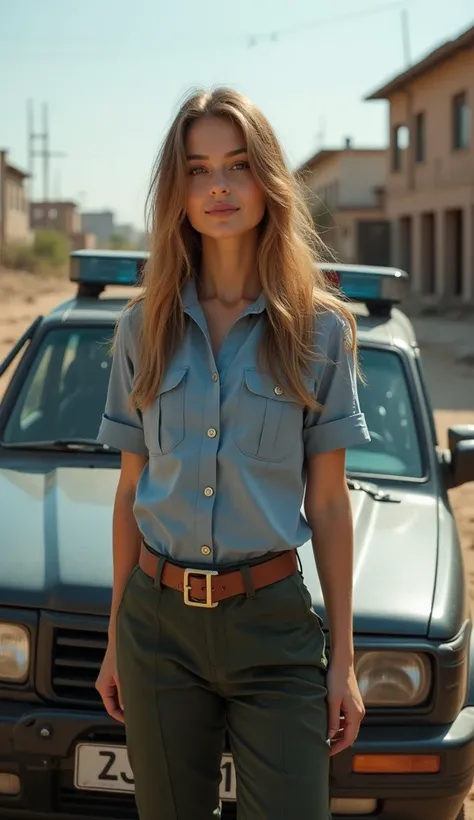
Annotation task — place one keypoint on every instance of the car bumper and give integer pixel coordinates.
(38, 746)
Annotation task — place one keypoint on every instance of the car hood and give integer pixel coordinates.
(56, 550)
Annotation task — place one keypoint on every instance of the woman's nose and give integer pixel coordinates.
(219, 185)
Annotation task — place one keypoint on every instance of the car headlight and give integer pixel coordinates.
(14, 653)
(393, 678)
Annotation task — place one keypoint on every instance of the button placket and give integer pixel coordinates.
(203, 532)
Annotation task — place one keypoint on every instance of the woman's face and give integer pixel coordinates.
(223, 197)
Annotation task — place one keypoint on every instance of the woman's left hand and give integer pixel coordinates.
(346, 708)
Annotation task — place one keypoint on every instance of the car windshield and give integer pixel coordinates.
(394, 448)
(64, 394)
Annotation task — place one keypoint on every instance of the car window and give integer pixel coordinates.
(385, 400)
(34, 397)
(63, 396)
(65, 391)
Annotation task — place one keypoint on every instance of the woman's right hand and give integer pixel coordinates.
(108, 686)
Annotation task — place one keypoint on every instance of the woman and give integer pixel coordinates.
(232, 394)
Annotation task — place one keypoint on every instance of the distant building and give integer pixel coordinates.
(62, 216)
(100, 223)
(14, 209)
(59, 216)
(430, 171)
(345, 189)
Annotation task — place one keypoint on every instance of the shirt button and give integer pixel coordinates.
(206, 550)
(208, 492)
(215, 377)
(212, 433)
(278, 390)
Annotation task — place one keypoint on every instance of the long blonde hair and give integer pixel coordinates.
(287, 255)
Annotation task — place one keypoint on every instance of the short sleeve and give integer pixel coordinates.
(122, 425)
(340, 423)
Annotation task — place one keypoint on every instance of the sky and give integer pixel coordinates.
(114, 71)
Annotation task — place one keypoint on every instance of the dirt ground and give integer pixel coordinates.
(447, 346)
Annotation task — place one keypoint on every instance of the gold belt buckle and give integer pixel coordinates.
(207, 574)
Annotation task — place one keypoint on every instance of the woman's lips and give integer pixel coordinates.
(222, 210)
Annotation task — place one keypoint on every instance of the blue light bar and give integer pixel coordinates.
(368, 284)
(107, 267)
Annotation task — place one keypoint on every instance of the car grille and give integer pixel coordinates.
(116, 806)
(77, 656)
(95, 804)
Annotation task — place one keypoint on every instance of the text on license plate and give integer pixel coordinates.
(106, 769)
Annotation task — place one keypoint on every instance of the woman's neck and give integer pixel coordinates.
(229, 270)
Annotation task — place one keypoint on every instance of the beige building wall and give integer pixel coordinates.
(347, 182)
(17, 220)
(430, 203)
(14, 208)
(361, 175)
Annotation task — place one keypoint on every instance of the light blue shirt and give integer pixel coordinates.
(226, 444)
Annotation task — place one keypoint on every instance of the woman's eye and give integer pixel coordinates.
(241, 166)
(195, 171)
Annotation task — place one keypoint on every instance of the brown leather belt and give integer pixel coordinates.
(205, 588)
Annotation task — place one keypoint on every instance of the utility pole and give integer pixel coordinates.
(406, 37)
(44, 152)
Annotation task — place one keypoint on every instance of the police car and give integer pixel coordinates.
(60, 754)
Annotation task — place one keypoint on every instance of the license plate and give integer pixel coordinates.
(106, 769)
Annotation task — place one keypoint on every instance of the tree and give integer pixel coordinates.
(118, 242)
(51, 247)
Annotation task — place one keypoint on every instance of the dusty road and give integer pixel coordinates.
(447, 346)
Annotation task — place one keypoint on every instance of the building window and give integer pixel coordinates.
(461, 121)
(52, 213)
(38, 213)
(400, 142)
(420, 137)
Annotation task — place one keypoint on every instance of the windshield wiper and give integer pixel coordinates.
(371, 489)
(83, 445)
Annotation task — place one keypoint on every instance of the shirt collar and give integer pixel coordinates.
(189, 294)
(190, 299)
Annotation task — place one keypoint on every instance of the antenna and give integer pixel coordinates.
(44, 152)
(321, 134)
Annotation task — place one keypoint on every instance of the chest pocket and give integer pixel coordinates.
(167, 422)
(269, 424)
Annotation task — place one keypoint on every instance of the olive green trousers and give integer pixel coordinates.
(252, 669)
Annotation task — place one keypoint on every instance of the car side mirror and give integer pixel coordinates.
(461, 448)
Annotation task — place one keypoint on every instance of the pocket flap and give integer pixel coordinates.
(171, 379)
(263, 384)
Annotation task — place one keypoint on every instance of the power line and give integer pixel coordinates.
(277, 34)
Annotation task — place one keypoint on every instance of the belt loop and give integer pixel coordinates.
(247, 578)
(159, 572)
(300, 565)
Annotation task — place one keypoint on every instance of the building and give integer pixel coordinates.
(345, 189)
(14, 208)
(100, 223)
(429, 196)
(61, 216)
